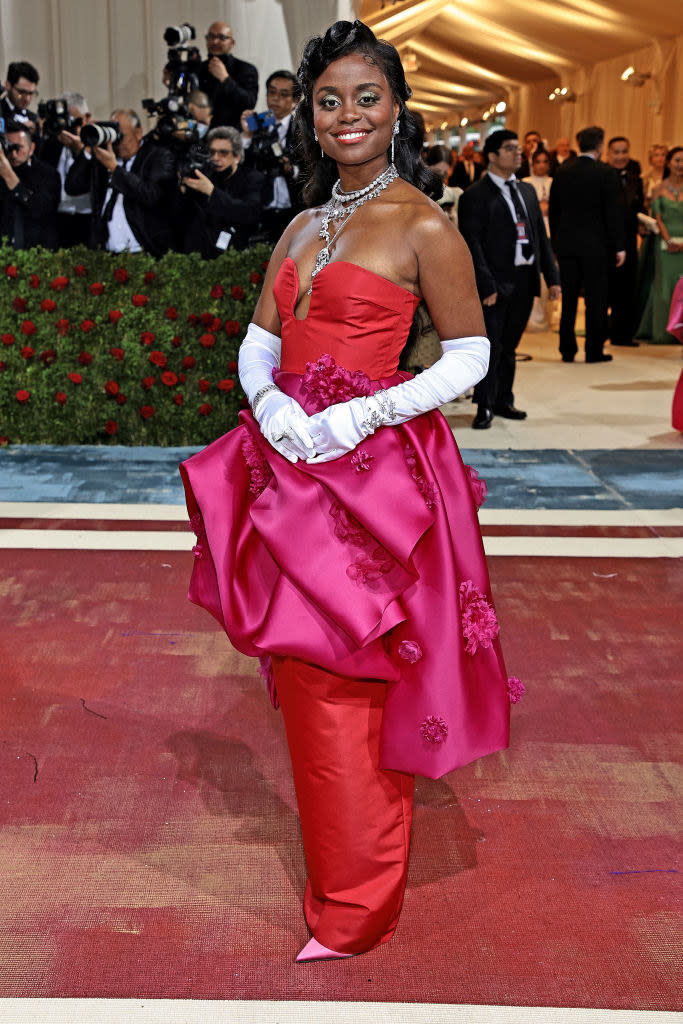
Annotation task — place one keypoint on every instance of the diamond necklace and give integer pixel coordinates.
(334, 210)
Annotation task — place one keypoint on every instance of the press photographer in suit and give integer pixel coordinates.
(29, 192)
(59, 149)
(131, 183)
(501, 221)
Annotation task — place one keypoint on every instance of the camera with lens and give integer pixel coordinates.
(196, 158)
(56, 117)
(265, 151)
(8, 147)
(184, 62)
(101, 133)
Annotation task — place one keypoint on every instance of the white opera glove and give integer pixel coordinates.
(341, 428)
(282, 421)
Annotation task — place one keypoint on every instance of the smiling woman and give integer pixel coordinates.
(338, 565)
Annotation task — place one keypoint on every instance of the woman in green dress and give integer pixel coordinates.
(667, 208)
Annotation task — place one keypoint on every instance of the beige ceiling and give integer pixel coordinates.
(470, 53)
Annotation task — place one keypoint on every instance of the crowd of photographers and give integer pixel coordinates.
(211, 174)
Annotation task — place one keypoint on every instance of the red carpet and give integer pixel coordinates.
(150, 840)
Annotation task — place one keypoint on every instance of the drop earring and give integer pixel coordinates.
(394, 133)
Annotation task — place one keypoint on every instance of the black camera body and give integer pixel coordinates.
(101, 133)
(184, 62)
(56, 117)
(196, 158)
(265, 151)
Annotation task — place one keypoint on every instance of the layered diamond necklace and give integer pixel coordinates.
(341, 207)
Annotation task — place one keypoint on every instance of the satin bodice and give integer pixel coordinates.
(355, 315)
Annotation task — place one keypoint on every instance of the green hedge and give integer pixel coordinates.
(98, 347)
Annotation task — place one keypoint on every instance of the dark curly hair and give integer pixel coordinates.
(342, 39)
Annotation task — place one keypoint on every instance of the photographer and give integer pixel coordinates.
(221, 207)
(231, 84)
(59, 148)
(29, 192)
(131, 182)
(21, 87)
(271, 151)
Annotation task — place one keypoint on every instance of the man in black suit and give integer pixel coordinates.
(74, 216)
(501, 221)
(231, 84)
(623, 280)
(21, 87)
(467, 170)
(131, 186)
(29, 193)
(274, 156)
(587, 233)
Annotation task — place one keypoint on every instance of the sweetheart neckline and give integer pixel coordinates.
(347, 263)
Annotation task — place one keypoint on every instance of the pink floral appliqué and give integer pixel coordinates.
(362, 460)
(266, 672)
(347, 528)
(516, 689)
(477, 486)
(410, 651)
(479, 622)
(197, 527)
(427, 489)
(434, 729)
(259, 470)
(325, 383)
(366, 568)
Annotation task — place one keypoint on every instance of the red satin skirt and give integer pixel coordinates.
(355, 817)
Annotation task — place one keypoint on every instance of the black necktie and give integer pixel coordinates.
(527, 247)
(108, 210)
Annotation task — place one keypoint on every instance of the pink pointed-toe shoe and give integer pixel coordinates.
(313, 950)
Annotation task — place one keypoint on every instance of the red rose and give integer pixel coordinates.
(59, 283)
(121, 275)
(218, 291)
(176, 341)
(28, 327)
(139, 300)
(111, 426)
(11, 270)
(182, 377)
(121, 399)
(21, 305)
(215, 324)
(232, 366)
(188, 362)
(27, 352)
(48, 357)
(149, 277)
(111, 387)
(60, 398)
(97, 287)
(237, 292)
(34, 281)
(157, 358)
(3, 366)
(207, 340)
(84, 358)
(79, 270)
(88, 325)
(265, 264)
(3, 441)
(115, 315)
(48, 305)
(117, 353)
(22, 396)
(148, 337)
(169, 378)
(178, 399)
(8, 339)
(193, 319)
(62, 328)
(226, 385)
(146, 411)
(256, 278)
(75, 378)
(203, 385)
(232, 328)
(148, 382)
(205, 409)
(171, 313)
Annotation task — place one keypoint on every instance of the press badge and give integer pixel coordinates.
(521, 231)
(223, 240)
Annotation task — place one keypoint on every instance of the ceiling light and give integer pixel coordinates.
(486, 115)
(464, 121)
(501, 107)
(562, 95)
(636, 78)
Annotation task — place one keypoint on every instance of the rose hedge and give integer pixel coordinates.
(98, 347)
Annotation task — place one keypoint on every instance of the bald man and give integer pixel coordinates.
(231, 84)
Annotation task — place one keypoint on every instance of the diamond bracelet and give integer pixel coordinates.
(261, 393)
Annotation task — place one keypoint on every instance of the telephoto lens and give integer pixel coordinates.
(100, 133)
(179, 35)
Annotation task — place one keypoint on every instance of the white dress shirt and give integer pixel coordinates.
(120, 237)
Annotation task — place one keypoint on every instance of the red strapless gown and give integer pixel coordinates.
(364, 580)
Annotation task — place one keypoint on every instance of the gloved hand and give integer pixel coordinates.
(283, 422)
(341, 428)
